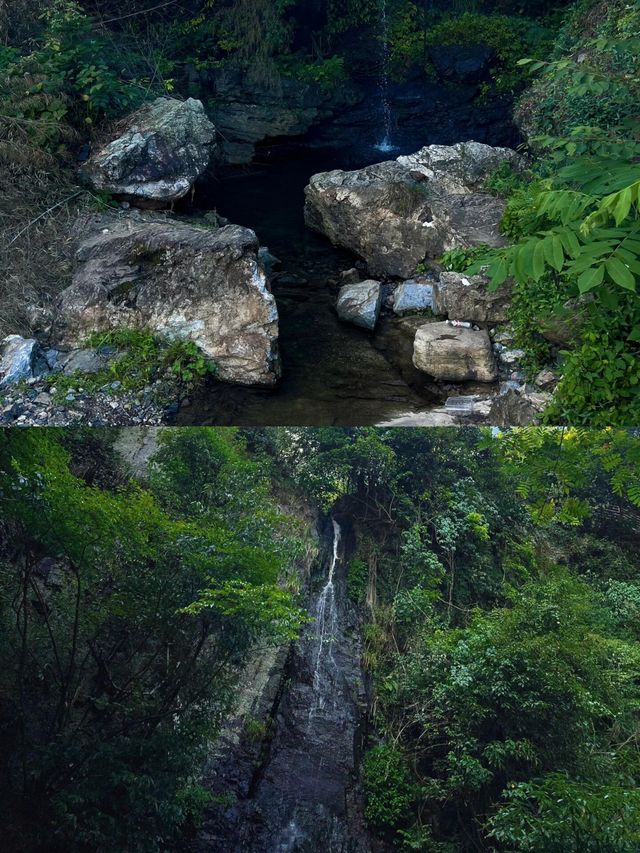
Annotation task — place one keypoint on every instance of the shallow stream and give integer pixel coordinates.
(334, 374)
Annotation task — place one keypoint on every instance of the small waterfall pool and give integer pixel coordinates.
(333, 373)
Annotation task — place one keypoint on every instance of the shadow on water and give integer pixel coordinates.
(333, 373)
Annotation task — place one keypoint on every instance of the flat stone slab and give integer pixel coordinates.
(412, 296)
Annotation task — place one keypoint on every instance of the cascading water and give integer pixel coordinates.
(385, 145)
(326, 614)
(303, 795)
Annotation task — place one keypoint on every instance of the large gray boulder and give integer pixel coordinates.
(165, 147)
(150, 271)
(20, 359)
(461, 167)
(454, 354)
(380, 213)
(400, 213)
(467, 297)
(360, 303)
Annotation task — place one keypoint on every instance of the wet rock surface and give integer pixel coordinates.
(178, 280)
(163, 149)
(295, 790)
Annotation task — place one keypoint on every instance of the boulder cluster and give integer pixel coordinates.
(400, 217)
(150, 269)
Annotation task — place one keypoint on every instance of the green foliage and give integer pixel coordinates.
(461, 258)
(406, 38)
(600, 383)
(343, 15)
(522, 692)
(124, 617)
(509, 38)
(560, 815)
(576, 227)
(141, 358)
(389, 790)
(357, 575)
(73, 74)
(325, 73)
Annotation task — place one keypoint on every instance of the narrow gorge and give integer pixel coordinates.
(288, 766)
(294, 640)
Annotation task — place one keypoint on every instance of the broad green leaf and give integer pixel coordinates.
(620, 274)
(593, 277)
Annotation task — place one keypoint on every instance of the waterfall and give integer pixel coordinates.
(385, 145)
(326, 627)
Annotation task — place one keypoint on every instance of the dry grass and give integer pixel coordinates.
(38, 202)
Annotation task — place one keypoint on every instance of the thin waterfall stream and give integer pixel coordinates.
(326, 624)
(303, 794)
(385, 145)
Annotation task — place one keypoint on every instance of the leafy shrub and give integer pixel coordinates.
(325, 73)
(509, 38)
(576, 227)
(357, 575)
(600, 383)
(601, 36)
(389, 789)
(460, 258)
(126, 683)
(559, 815)
(73, 74)
(142, 358)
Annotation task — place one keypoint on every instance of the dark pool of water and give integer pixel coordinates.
(333, 373)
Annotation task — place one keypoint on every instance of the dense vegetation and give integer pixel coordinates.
(497, 578)
(125, 612)
(574, 222)
(70, 67)
(500, 583)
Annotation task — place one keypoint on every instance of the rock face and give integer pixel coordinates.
(149, 271)
(464, 297)
(461, 167)
(165, 147)
(412, 296)
(360, 303)
(20, 359)
(460, 64)
(247, 111)
(399, 213)
(518, 407)
(295, 789)
(454, 354)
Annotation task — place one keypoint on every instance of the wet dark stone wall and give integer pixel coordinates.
(295, 788)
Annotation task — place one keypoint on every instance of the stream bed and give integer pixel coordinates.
(333, 373)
